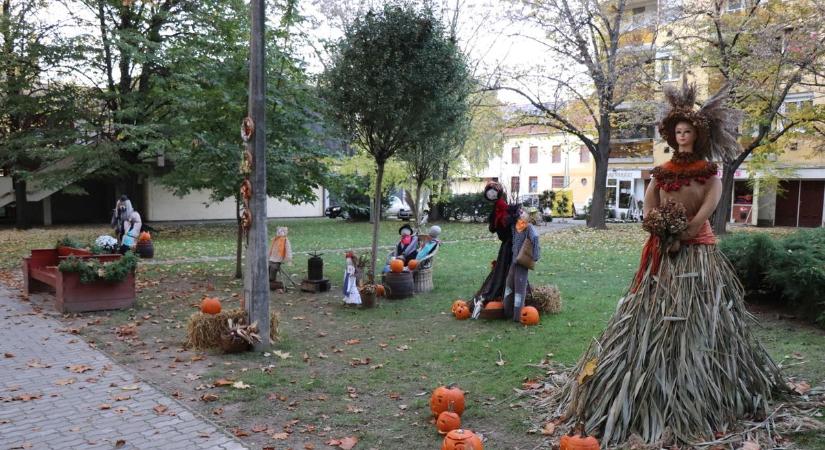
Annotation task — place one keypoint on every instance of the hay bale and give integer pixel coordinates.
(546, 299)
(205, 330)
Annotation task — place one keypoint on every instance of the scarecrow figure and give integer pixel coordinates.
(526, 249)
(678, 361)
(350, 284)
(500, 222)
(407, 247)
(280, 251)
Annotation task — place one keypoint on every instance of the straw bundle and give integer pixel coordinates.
(546, 299)
(205, 330)
(677, 358)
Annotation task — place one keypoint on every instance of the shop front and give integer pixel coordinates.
(625, 193)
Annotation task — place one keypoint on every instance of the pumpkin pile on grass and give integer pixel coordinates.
(447, 405)
(204, 330)
(461, 310)
(546, 299)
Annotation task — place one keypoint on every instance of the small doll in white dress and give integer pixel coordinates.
(350, 287)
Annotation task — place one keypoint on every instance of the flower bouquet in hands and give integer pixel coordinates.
(667, 222)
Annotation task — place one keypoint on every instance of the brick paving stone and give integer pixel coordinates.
(69, 416)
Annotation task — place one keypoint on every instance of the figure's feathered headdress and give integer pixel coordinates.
(716, 125)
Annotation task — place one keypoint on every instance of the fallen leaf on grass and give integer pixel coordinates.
(500, 362)
(282, 355)
(353, 341)
(223, 382)
(360, 362)
(800, 387)
(279, 436)
(260, 428)
(402, 348)
(209, 397)
(322, 356)
(36, 364)
(241, 385)
(354, 409)
(346, 443)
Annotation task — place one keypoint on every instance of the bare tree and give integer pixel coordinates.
(600, 64)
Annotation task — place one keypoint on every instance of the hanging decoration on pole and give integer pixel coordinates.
(247, 131)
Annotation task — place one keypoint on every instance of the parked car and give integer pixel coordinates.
(398, 208)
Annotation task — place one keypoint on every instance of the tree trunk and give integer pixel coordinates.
(417, 208)
(239, 248)
(597, 207)
(376, 206)
(20, 201)
(721, 216)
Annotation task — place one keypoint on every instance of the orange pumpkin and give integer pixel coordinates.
(412, 264)
(210, 305)
(462, 312)
(448, 421)
(493, 310)
(529, 316)
(456, 304)
(462, 440)
(379, 290)
(144, 236)
(578, 442)
(447, 398)
(397, 266)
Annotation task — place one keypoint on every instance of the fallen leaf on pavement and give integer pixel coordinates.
(209, 397)
(78, 368)
(64, 381)
(160, 409)
(120, 443)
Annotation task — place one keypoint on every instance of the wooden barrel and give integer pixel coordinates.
(145, 249)
(398, 285)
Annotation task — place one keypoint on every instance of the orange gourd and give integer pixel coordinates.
(462, 312)
(456, 304)
(446, 398)
(412, 264)
(529, 316)
(210, 305)
(379, 290)
(462, 440)
(448, 421)
(397, 266)
(144, 236)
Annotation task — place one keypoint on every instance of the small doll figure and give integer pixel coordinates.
(350, 285)
(280, 251)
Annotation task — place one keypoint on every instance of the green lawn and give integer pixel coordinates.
(377, 388)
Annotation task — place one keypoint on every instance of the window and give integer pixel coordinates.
(793, 104)
(534, 155)
(625, 194)
(638, 17)
(514, 185)
(556, 154)
(735, 5)
(558, 182)
(610, 193)
(514, 157)
(584, 154)
(671, 68)
(534, 184)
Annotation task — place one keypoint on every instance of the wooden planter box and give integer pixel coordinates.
(40, 273)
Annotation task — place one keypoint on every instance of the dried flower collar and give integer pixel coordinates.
(681, 170)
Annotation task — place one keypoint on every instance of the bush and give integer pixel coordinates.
(798, 272)
(466, 206)
(792, 269)
(751, 255)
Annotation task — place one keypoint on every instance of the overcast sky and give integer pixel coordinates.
(484, 33)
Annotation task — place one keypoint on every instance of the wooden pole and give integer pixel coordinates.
(257, 284)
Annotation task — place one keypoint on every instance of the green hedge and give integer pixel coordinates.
(791, 269)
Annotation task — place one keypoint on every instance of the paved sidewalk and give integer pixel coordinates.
(57, 392)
